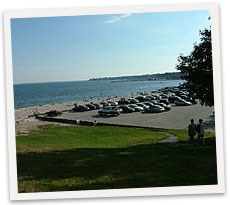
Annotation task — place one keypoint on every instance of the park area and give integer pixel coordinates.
(75, 157)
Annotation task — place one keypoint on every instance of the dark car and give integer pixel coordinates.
(141, 98)
(80, 108)
(91, 106)
(133, 100)
(165, 101)
(156, 97)
(172, 99)
(149, 104)
(151, 97)
(163, 96)
(126, 109)
(53, 113)
(123, 101)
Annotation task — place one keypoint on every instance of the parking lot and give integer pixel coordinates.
(177, 118)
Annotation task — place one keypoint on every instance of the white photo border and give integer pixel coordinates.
(213, 8)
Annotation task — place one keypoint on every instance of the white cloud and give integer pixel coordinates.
(115, 19)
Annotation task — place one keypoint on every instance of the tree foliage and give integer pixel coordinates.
(197, 70)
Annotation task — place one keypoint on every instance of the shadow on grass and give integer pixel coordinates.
(156, 165)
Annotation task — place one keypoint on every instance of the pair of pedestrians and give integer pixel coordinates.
(193, 129)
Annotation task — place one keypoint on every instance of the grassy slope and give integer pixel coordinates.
(81, 158)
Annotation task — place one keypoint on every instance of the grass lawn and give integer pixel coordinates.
(64, 158)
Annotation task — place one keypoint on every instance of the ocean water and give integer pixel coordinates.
(28, 95)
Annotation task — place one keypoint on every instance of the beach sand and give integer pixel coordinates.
(25, 120)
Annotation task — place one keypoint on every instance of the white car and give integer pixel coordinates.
(113, 111)
(182, 102)
(136, 107)
(142, 105)
(155, 109)
(112, 103)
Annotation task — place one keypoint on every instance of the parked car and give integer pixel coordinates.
(133, 100)
(172, 99)
(110, 110)
(112, 103)
(143, 105)
(104, 104)
(149, 104)
(163, 96)
(53, 113)
(155, 109)
(98, 106)
(180, 92)
(126, 109)
(187, 98)
(165, 101)
(141, 98)
(123, 101)
(80, 108)
(136, 108)
(182, 102)
(156, 97)
(91, 106)
(148, 98)
(167, 107)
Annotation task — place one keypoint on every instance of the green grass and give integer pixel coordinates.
(64, 158)
(68, 137)
(182, 135)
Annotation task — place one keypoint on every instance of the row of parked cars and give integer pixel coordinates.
(153, 103)
(148, 107)
(124, 106)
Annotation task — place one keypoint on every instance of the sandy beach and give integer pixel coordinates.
(25, 120)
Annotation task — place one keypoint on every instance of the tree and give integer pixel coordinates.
(197, 70)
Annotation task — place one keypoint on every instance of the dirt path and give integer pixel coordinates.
(171, 138)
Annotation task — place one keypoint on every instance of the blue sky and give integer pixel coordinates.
(81, 47)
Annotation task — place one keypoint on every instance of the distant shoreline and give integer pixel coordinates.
(145, 77)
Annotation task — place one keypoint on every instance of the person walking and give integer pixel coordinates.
(200, 131)
(191, 130)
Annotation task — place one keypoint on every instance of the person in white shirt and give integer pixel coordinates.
(200, 130)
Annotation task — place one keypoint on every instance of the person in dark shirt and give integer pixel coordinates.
(191, 130)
